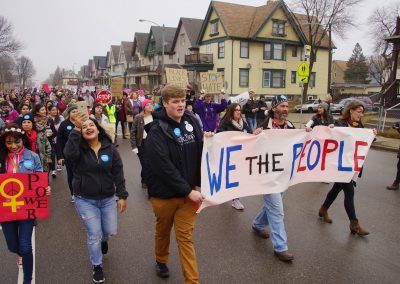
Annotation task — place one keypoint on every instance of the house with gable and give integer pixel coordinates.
(186, 49)
(153, 52)
(112, 62)
(140, 62)
(125, 59)
(100, 65)
(261, 48)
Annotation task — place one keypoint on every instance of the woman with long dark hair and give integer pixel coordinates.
(15, 157)
(98, 177)
(351, 118)
(322, 117)
(233, 121)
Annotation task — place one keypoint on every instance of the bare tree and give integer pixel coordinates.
(8, 44)
(383, 24)
(6, 68)
(24, 70)
(318, 17)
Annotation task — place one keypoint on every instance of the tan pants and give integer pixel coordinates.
(181, 213)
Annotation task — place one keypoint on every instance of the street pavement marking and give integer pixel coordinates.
(21, 272)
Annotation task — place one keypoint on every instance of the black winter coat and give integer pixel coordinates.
(226, 125)
(172, 173)
(62, 137)
(95, 178)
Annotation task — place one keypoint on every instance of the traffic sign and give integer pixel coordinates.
(307, 50)
(303, 79)
(104, 96)
(304, 70)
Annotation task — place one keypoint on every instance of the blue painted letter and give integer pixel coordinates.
(213, 181)
(230, 167)
(340, 162)
(296, 155)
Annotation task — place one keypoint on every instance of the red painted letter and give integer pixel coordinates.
(300, 169)
(356, 157)
(328, 150)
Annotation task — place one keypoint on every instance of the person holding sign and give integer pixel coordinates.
(16, 158)
(233, 121)
(351, 118)
(323, 117)
(271, 214)
(174, 146)
(98, 176)
(208, 111)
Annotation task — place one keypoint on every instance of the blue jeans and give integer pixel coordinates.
(18, 236)
(100, 220)
(272, 214)
(251, 121)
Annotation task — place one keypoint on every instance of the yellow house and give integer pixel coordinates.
(261, 48)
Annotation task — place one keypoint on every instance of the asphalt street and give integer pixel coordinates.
(227, 249)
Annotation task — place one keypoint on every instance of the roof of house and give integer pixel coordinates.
(169, 34)
(139, 43)
(341, 64)
(242, 21)
(115, 52)
(127, 47)
(100, 62)
(192, 28)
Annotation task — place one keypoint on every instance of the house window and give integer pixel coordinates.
(311, 81)
(171, 57)
(274, 78)
(243, 77)
(278, 28)
(214, 27)
(221, 49)
(244, 49)
(293, 77)
(182, 39)
(273, 51)
(222, 71)
(294, 51)
(208, 49)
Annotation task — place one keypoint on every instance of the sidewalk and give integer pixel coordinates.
(387, 144)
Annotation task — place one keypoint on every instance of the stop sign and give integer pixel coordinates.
(104, 96)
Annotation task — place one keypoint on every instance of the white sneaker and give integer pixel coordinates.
(59, 168)
(54, 174)
(237, 204)
(73, 199)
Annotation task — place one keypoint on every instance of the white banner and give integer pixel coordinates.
(237, 164)
(240, 99)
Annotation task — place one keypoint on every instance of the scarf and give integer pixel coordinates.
(40, 123)
(13, 161)
(276, 126)
(32, 139)
(238, 125)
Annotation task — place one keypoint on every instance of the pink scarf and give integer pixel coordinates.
(13, 161)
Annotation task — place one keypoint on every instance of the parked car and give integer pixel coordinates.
(309, 106)
(367, 102)
(336, 108)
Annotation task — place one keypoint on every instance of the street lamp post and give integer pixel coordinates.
(162, 47)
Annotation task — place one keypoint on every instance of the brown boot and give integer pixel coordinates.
(394, 186)
(323, 213)
(355, 228)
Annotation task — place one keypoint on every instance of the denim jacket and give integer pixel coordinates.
(30, 162)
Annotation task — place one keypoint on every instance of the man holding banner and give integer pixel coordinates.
(272, 211)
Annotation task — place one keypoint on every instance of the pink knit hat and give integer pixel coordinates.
(145, 102)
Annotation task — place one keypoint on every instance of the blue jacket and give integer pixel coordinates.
(30, 163)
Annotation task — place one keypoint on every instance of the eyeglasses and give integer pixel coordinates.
(238, 110)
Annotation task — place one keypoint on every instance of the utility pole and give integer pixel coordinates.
(330, 61)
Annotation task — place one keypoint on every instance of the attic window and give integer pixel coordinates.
(278, 28)
(214, 27)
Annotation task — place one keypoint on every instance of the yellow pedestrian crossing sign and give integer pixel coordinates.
(304, 70)
(303, 79)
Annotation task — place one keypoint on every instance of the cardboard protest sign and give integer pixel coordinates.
(237, 164)
(240, 99)
(117, 87)
(211, 82)
(23, 196)
(177, 77)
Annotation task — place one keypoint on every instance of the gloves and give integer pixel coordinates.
(136, 151)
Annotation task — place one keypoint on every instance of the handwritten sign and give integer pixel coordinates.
(240, 99)
(211, 82)
(23, 196)
(117, 87)
(236, 164)
(177, 77)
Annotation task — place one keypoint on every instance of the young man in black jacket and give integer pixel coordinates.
(173, 147)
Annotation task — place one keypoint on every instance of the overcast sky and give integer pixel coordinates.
(69, 32)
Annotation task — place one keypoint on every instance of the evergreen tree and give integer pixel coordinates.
(357, 68)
